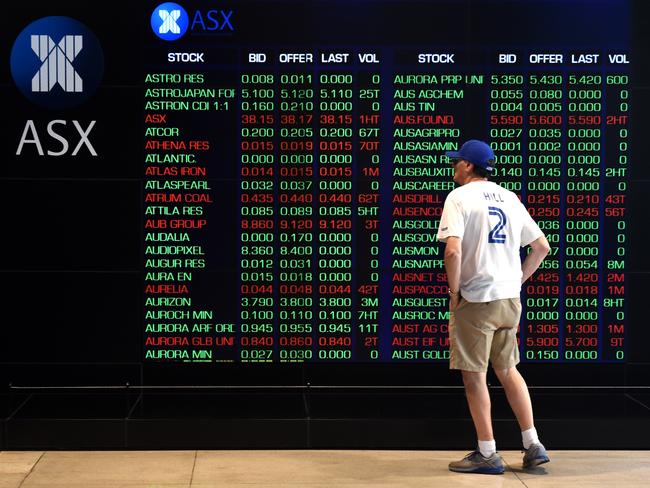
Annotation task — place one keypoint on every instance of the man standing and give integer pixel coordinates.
(484, 226)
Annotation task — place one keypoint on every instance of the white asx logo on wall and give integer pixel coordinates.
(57, 62)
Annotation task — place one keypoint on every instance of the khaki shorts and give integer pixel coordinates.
(482, 331)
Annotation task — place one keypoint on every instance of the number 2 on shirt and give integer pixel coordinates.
(496, 235)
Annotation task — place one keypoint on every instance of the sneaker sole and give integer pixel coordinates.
(478, 471)
(536, 462)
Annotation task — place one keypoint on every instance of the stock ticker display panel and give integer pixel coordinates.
(294, 173)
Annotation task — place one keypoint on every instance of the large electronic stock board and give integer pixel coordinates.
(294, 174)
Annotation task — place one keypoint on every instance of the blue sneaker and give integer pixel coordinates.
(535, 455)
(475, 462)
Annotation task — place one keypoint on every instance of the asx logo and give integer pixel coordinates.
(57, 62)
(170, 21)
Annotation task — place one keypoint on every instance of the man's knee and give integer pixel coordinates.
(474, 379)
(507, 375)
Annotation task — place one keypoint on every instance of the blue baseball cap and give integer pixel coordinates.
(476, 152)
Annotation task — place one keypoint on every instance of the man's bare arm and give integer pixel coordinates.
(453, 256)
(539, 250)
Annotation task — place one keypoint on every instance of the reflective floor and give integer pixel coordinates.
(310, 469)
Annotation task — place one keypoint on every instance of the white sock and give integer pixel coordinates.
(487, 448)
(529, 437)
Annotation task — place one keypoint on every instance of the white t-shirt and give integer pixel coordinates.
(493, 225)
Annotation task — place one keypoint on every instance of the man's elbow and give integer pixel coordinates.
(453, 248)
(541, 246)
(452, 253)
